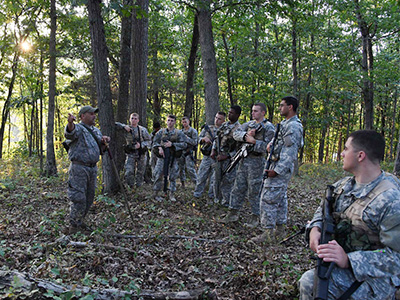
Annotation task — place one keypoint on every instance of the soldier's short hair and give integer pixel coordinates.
(291, 100)
(135, 115)
(222, 113)
(237, 109)
(172, 117)
(186, 118)
(369, 141)
(262, 106)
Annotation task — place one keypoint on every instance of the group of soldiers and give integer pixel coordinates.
(255, 161)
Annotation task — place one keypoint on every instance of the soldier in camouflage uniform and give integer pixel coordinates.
(224, 147)
(251, 168)
(187, 160)
(173, 139)
(153, 157)
(205, 172)
(366, 245)
(137, 142)
(273, 197)
(84, 152)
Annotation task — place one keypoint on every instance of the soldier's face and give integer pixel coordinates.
(284, 108)
(171, 123)
(88, 118)
(134, 120)
(232, 115)
(218, 120)
(257, 114)
(185, 123)
(350, 156)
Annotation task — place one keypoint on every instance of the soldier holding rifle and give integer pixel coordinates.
(168, 145)
(187, 161)
(273, 197)
(365, 251)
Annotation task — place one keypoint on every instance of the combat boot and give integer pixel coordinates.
(172, 197)
(280, 232)
(267, 237)
(252, 222)
(231, 217)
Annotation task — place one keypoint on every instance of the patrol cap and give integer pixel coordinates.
(88, 108)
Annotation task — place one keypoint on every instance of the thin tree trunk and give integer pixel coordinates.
(228, 70)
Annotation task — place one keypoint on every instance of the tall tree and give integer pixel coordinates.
(106, 116)
(51, 167)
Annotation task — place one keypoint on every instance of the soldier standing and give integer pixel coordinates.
(87, 144)
(206, 137)
(273, 202)
(187, 160)
(168, 145)
(365, 251)
(224, 147)
(250, 169)
(137, 144)
(153, 157)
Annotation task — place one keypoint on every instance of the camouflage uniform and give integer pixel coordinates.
(135, 163)
(187, 160)
(178, 143)
(378, 266)
(153, 157)
(206, 170)
(84, 153)
(273, 198)
(251, 168)
(227, 147)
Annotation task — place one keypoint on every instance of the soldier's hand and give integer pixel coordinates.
(206, 140)
(249, 139)
(168, 144)
(127, 128)
(222, 157)
(268, 146)
(315, 236)
(137, 145)
(271, 173)
(333, 252)
(71, 118)
(252, 132)
(105, 139)
(161, 151)
(213, 154)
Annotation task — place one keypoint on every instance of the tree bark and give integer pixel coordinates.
(138, 90)
(106, 117)
(51, 167)
(209, 61)
(191, 69)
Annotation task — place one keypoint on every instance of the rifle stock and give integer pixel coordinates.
(167, 160)
(324, 269)
(271, 151)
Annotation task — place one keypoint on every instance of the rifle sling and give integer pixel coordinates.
(93, 135)
(351, 290)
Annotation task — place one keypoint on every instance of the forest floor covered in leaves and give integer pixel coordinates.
(167, 247)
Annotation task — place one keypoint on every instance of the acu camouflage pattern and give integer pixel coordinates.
(82, 179)
(178, 144)
(273, 197)
(206, 169)
(250, 170)
(227, 147)
(135, 164)
(187, 161)
(378, 269)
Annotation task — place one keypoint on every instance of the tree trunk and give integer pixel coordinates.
(138, 91)
(191, 69)
(106, 117)
(228, 70)
(51, 167)
(124, 77)
(294, 57)
(209, 62)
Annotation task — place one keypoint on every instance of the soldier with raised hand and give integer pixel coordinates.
(249, 174)
(224, 147)
(85, 147)
(137, 144)
(187, 161)
(205, 172)
(366, 210)
(273, 201)
(174, 140)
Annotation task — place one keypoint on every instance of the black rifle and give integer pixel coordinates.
(324, 269)
(167, 159)
(271, 151)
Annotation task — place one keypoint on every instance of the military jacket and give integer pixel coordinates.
(191, 137)
(263, 135)
(227, 144)
(83, 147)
(143, 138)
(289, 141)
(175, 136)
(382, 216)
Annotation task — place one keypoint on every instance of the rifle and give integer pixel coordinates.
(218, 171)
(324, 269)
(271, 151)
(168, 161)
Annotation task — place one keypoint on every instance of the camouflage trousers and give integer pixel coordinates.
(205, 173)
(340, 281)
(81, 191)
(226, 184)
(135, 166)
(248, 182)
(186, 163)
(158, 175)
(273, 201)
